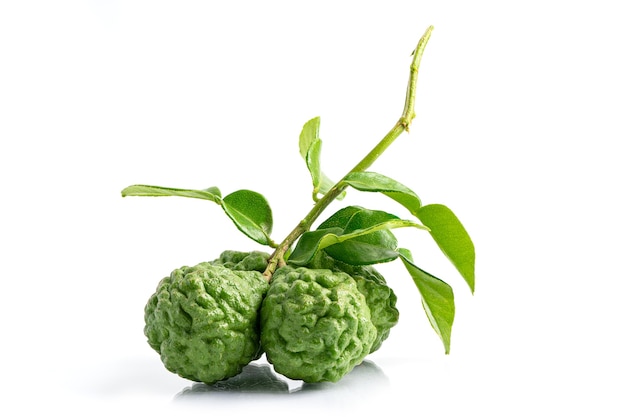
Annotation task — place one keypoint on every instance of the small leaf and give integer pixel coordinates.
(325, 185)
(211, 194)
(374, 182)
(310, 132)
(313, 162)
(452, 238)
(321, 183)
(251, 214)
(437, 299)
(310, 146)
(214, 190)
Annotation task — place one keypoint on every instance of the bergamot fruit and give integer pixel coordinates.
(380, 298)
(203, 320)
(315, 324)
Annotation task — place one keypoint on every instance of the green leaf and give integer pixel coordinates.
(363, 252)
(374, 182)
(452, 238)
(437, 299)
(353, 235)
(360, 253)
(251, 214)
(313, 162)
(310, 132)
(375, 247)
(249, 210)
(214, 190)
(321, 183)
(309, 244)
(340, 218)
(310, 149)
(211, 194)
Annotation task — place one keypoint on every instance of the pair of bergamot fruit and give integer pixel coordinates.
(317, 309)
(314, 323)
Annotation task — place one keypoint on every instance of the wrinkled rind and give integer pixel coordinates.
(203, 321)
(243, 261)
(380, 298)
(316, 325)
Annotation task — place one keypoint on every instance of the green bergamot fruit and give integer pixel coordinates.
(315, 324)
(380, 298)
(203, 320)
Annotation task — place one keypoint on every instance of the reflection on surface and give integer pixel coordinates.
(367, 376)
(260, 378)
(253, 378)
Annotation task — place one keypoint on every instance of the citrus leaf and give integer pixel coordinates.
(310, 132)
(376, 247)
(326, 184)
(310, 146)
(247, 209)
(313, 162)
(374, 182)
(358, 252)
(437, 299)
(353, 235)
(211, 194)
(340, 218)
(452, 238)
(311, 242)
(251, 214)
(308, 245)
(321, 183)
(214, 190)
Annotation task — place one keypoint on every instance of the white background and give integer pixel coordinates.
(519, 129)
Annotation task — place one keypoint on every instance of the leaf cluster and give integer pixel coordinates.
(359, 236)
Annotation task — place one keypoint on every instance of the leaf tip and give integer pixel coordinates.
(471, 282)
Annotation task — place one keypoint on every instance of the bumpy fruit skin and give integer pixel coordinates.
(316, 325)
(380, 298)
(243, 261)
(203, 321)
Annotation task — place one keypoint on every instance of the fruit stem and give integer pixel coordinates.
(408, 114)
